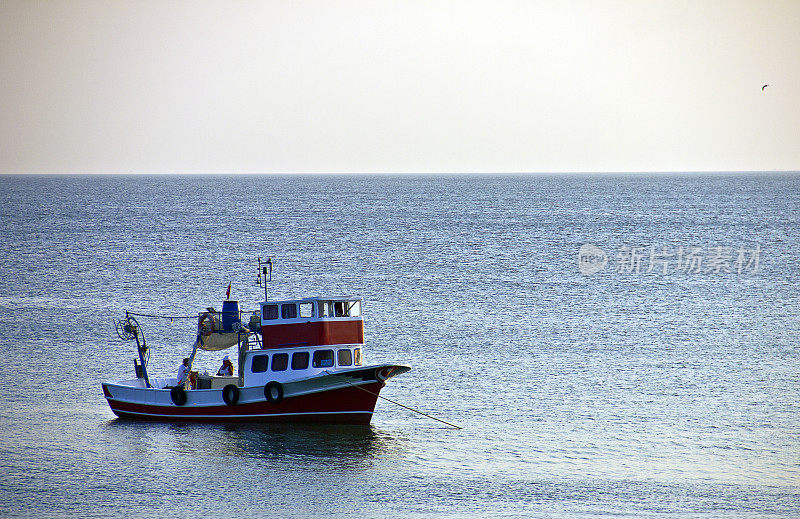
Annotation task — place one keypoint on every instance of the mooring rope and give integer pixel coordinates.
(399, 404)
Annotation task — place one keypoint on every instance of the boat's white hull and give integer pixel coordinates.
(346, 396)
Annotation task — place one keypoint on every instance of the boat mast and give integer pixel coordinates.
(265, 269)
(128, 329)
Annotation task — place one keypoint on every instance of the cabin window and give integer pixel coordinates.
(357, 356)
(344, 357)
(280, 361)
(340, 308)
(289, 311)
(300, 360)
(270, 312)
(306, 310)
(326, 309)
(323, 359)
(260, 363)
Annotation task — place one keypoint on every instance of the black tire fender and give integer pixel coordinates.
(230, 394)
(178, 395)
(273, 392)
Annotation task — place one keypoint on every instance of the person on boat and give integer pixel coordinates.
(227, 367)
(183, 372)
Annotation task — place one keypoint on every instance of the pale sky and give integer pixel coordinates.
(409, 86)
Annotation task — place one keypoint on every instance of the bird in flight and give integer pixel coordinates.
(765, 86)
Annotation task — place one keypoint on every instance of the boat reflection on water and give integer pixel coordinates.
(280, 442)
(285, 442)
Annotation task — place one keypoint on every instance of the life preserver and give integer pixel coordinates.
(178, 395)
(230, 394)
(206, 330)
(277, 389)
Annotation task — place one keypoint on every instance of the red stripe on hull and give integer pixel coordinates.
(344, 405)
(339, 418)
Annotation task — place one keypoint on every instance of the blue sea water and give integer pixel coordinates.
(666, 384)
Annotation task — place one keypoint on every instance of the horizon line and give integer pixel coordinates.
(409, 173)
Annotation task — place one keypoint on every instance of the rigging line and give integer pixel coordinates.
(401, 405)
(163, 316)
(171, 317)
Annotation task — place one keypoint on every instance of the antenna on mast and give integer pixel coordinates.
(264, 268)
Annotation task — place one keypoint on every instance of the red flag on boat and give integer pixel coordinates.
(228, 292)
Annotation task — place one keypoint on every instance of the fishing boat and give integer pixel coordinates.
(299, 360)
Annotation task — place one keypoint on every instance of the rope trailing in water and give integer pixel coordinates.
(401, 405)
